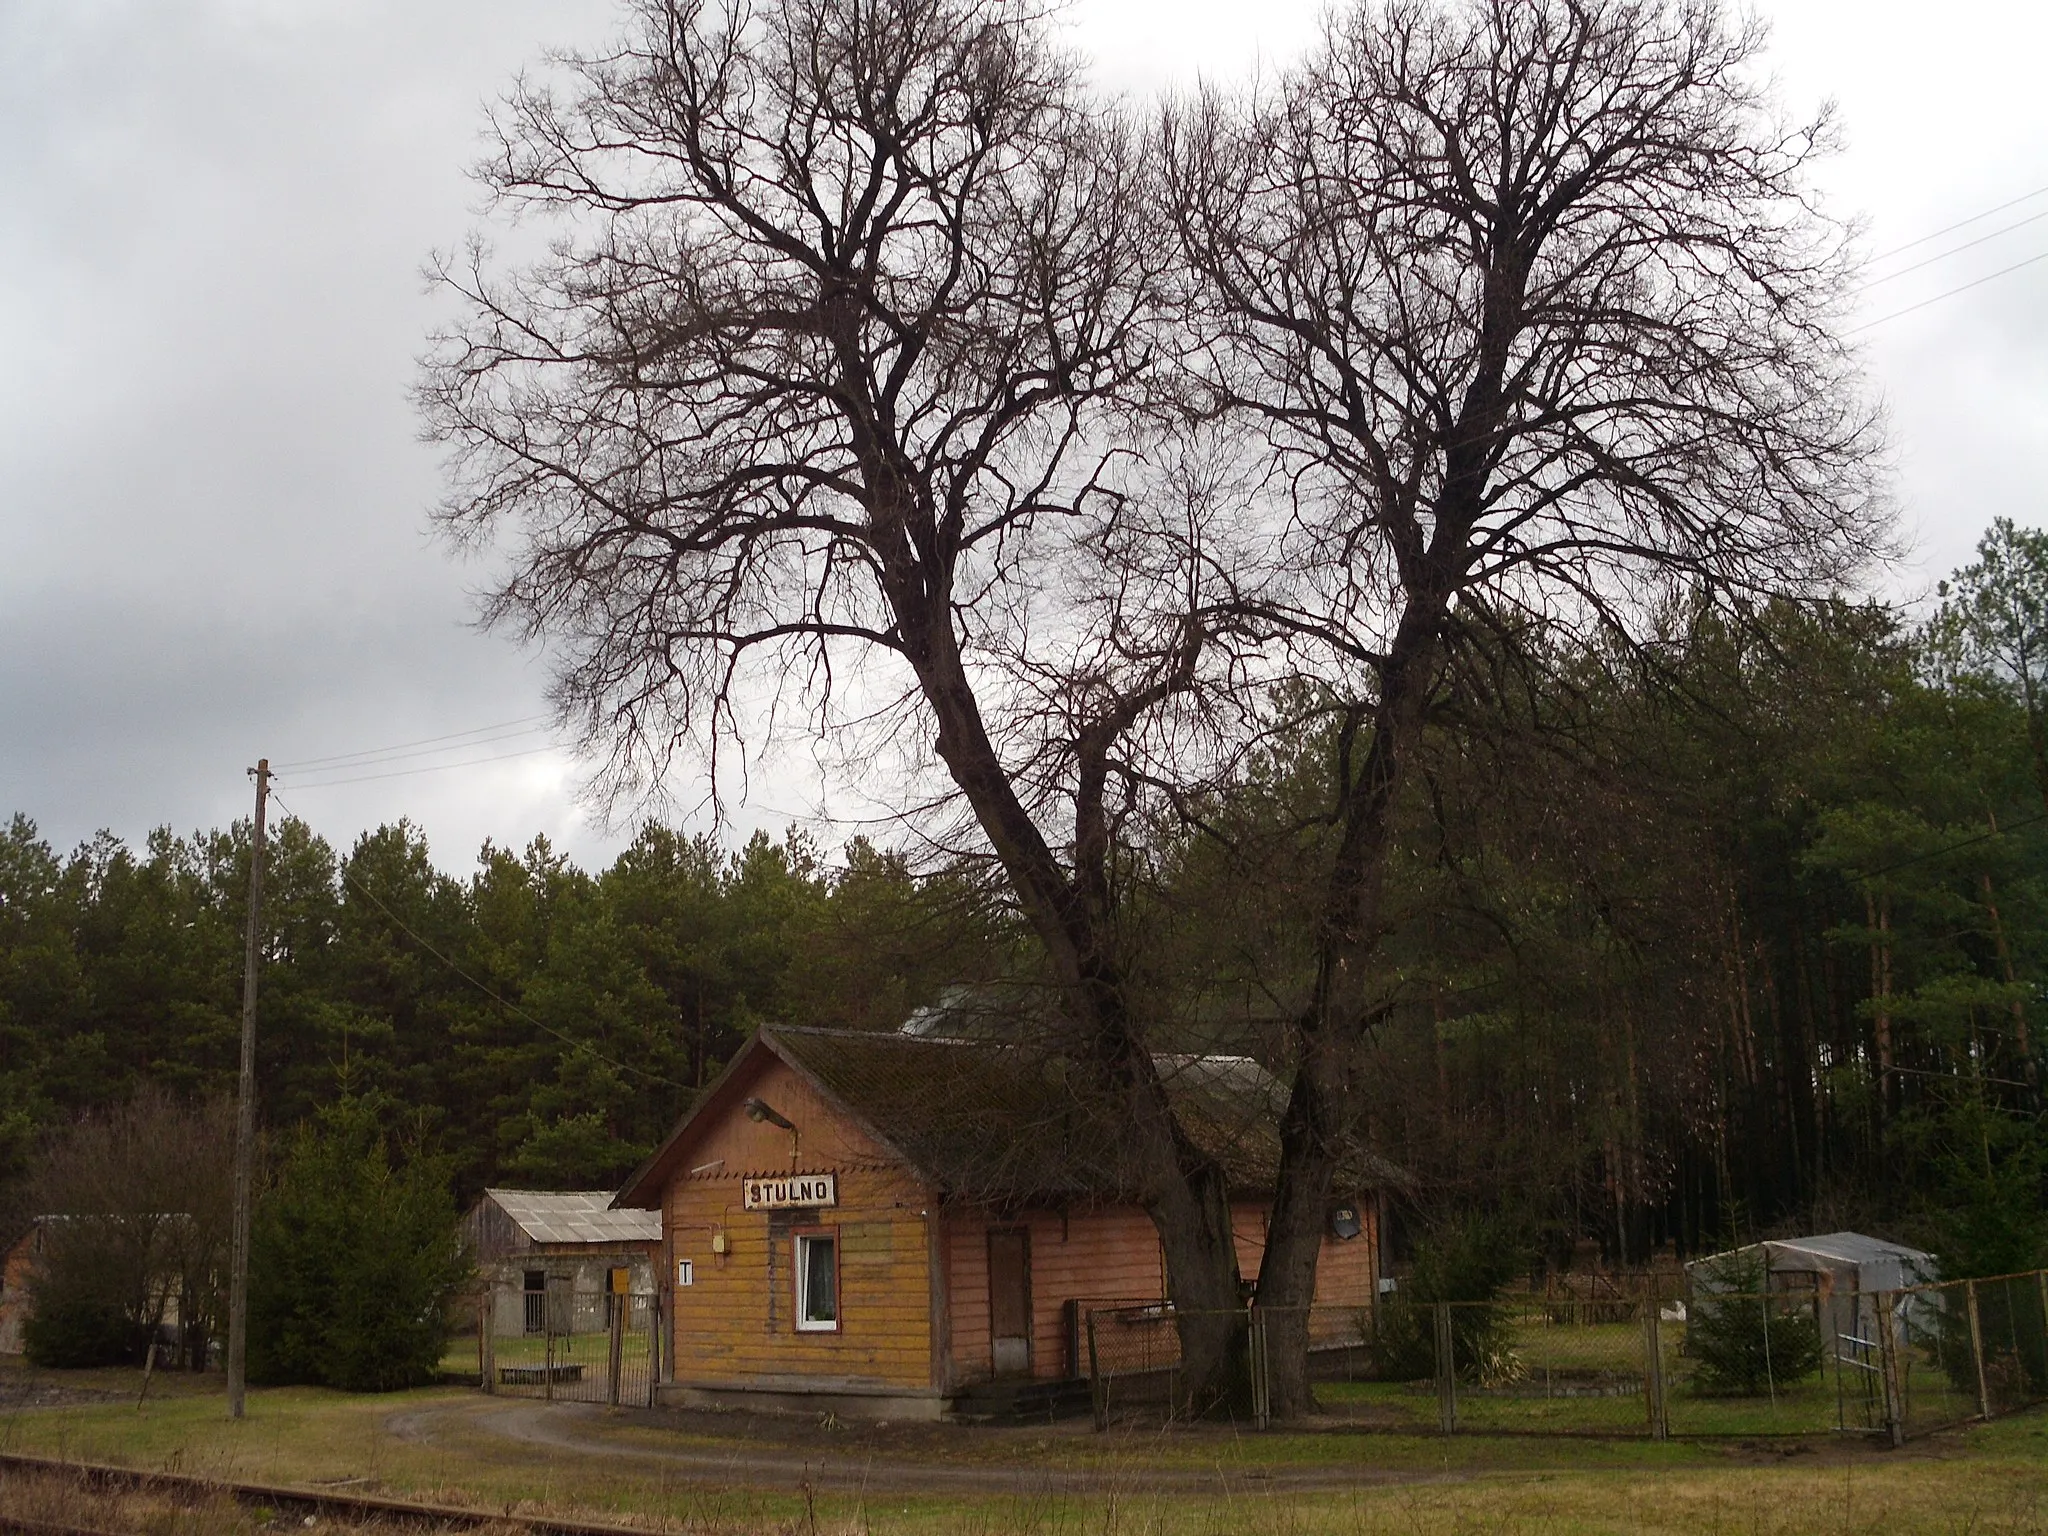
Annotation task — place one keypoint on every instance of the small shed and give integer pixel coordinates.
(1838, 1269)
(538, 1250)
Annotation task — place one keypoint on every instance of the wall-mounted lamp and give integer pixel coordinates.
(760, 1109)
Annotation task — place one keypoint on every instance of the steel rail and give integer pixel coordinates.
(358, 1506)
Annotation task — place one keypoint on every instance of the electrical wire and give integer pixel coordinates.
(1975, 218)
(1935, 853)
(2032, 218)
(406, 773)
(350, 759)
(510, 1007)
(1946, 229)
(1951, 293)
(494, 739)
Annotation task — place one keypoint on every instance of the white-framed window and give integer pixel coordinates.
(817, 1282)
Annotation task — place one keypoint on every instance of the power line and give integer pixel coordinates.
(349, 759)
(1951, 293)
(369, 760)
(405, 773)
(510, 1007)
(2025, 197)
(1935, 853)
(2032, 218)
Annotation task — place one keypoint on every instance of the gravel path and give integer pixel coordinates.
(753, 1452)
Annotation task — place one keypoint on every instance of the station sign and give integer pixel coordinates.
(791, 1191)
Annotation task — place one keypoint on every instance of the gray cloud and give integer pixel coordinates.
(213, 217)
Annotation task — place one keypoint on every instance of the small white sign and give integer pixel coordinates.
(686, 1272)
(784, 1192)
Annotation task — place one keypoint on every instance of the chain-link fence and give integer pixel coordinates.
(1714, 1363)
(1131, 1350)
(1557, 1365)
(1969, 1349)
(573, 1346)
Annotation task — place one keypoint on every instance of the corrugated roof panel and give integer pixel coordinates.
(575, 1216)
(1851, 1248)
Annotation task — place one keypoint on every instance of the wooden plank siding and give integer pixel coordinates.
(1099, 1255)
(913, 1270)
(735, 1325)
(492, 1234)
(1103, 1255)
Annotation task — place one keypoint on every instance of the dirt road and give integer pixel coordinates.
(756, 1451)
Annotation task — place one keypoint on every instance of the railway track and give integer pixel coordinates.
(286, 1499)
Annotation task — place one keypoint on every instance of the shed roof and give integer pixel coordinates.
(575, 1216)
(1009, 1119)
(1834, 1251)
(1851, 1248)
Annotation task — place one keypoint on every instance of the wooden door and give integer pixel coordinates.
(1009, 1301)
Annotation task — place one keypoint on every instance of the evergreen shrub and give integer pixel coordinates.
(1465, 1260)
(353, 1261)
(1746, 1342)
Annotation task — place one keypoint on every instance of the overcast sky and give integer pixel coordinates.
(213, 215)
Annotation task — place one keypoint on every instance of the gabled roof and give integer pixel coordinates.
(993, 1119)
(575, 1216)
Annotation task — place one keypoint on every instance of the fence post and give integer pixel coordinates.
(486, 1350)
(1977, 1349)
(2040, 1383)
(1446, 1370)
(1653, 1369)
(658, 1346)
(615, 1357)
(1262, 1386)
(1098, 1391)
(547, 1314)
(1890, 1376)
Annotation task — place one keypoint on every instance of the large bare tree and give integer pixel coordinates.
(824, 413)
(1541, 323)
(815, 419)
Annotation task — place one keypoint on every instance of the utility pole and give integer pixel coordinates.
(245, 1110)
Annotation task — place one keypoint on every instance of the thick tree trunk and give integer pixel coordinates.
(1320, 1116)
(1294, 1231)
(1183, 1190)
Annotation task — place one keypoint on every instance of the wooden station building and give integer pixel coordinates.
(887, 1224)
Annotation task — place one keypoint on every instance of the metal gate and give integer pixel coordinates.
(591, 1347)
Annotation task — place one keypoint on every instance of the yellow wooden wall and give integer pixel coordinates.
(735, 1324)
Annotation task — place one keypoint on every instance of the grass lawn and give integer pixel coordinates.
(723, 1475)
(1587, 1379)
